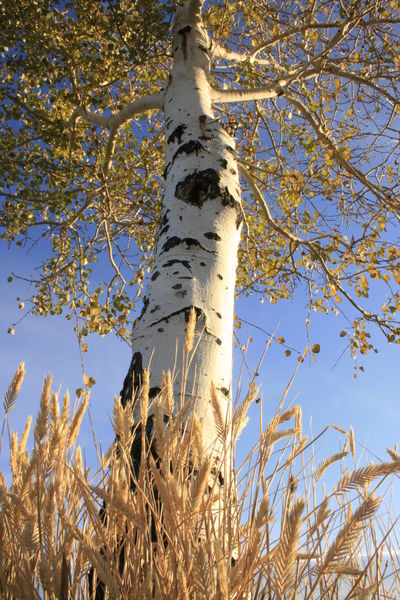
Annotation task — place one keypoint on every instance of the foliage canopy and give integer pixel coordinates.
(316, 121)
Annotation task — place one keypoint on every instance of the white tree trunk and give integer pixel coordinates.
(196, 252)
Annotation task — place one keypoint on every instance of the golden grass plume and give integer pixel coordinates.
(269, 531)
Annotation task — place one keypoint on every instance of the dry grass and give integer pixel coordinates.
(177, 526)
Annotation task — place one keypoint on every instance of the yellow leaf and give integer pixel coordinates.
(88, 381)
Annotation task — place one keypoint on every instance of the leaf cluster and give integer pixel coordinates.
(321, 190)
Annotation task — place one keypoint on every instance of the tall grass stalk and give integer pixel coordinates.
(270, 531)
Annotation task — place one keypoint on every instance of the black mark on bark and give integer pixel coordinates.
(166, 170)
(172, 262)
(175, 241)
(228, 200)
(177, 286)
(183, 32)
(171, 243)
(219, 276)
(176, 134)
(200, 316)
(223, 162)
(163, 230)
(133, 378)
(211, 235)
(144, 307)
(155, 275)
(202, 123)
(198, 187)
(189, 148)
(164, 219)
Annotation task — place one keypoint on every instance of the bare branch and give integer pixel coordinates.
(218, 51)
(82, 113)
(109, 152)
(114, 122)
(273, 90)
(110, 252)
(140, 105)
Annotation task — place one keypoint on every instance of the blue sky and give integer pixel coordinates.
(326, 393)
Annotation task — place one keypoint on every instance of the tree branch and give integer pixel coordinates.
(265, 208)
(307, 243)
(110, 253)
(140, 105)
(82, 113)
(114, 122)
(343, 29)
(43, 115)
(329, 141)
(109, 152)
(218, 51)
(328, 68)
(273, 90)
(294, 31)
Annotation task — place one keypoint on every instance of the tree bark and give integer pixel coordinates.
(196, 251)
